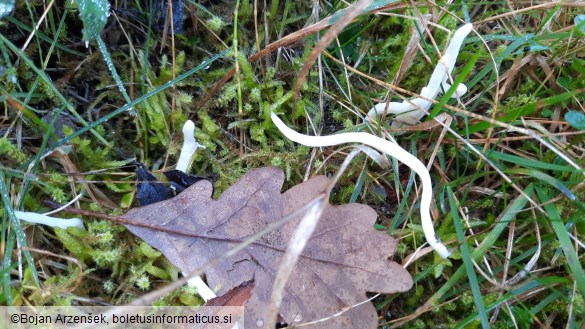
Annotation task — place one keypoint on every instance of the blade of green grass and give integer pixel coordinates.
(238, 82)
(467, 261)
(6, 299)
(372, 7)
(7, 263)
(527, 109)
(575, 266)
(42, 75)
(448, 93)
(524, 162)
(514, 294)
(519, 42)
(547, 20)
(547, 301)
(398, 217)
(359, 185)
(26, 182)
(137, 101)
(57, 33)
(502, 223)
(17, 229)
(42, 36)
(112, 68)
(552, 181)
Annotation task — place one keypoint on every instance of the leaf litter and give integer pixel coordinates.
(345, 257)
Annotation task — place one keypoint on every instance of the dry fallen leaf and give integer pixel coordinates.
(235, 297)
(344, 259)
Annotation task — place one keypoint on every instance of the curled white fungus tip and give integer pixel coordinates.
(460, 91)
(35, 218)
(190, 145)
(412, 111)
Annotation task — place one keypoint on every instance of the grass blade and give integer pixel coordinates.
(575, 266)
(502, 223)
(467, 261)
(17, 229)
(138, 100)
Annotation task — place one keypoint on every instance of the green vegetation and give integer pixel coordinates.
(72, 118)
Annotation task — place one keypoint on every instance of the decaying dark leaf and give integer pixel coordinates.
(180, 180)
(151, 190)
(344, 259)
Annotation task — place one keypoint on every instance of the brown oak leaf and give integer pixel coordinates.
(235, 297)
(345, 257)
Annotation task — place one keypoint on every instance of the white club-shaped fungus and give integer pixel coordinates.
(406, 112)
(410, 112)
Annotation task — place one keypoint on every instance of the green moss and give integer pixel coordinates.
(516, 101)
(143, 282)
(414, 298)
(216, 24)
(10, 151)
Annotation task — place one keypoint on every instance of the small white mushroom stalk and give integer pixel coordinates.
(45, 219)
(190, 146)
(62, 223)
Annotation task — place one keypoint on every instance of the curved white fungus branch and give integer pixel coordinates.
(410, 112)
(34, 218)
(190, 145)
(45, 219)
(388, 148)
